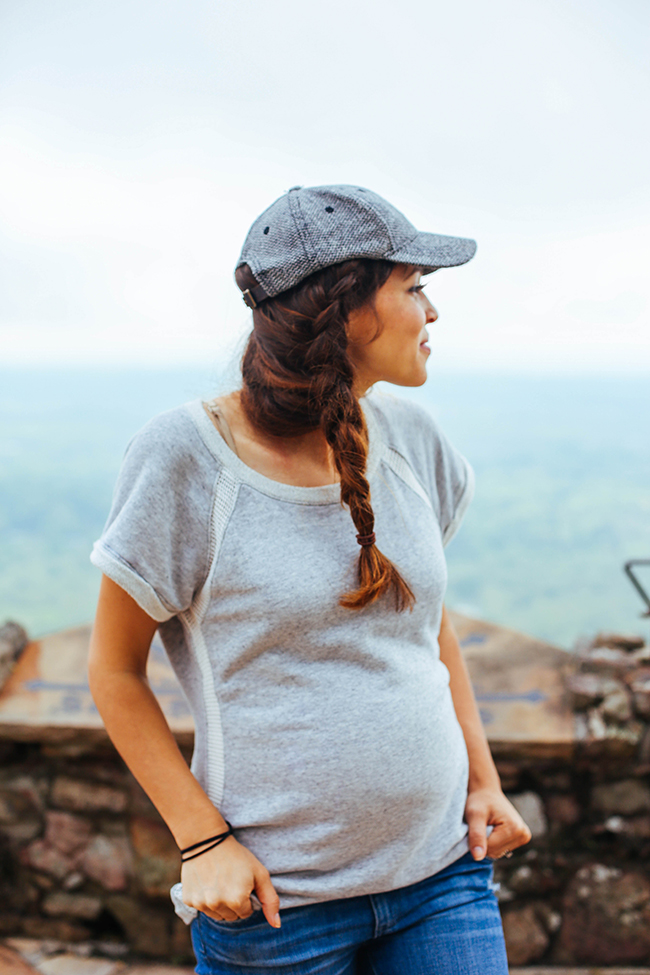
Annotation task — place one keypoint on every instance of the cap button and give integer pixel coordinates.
(292, 188)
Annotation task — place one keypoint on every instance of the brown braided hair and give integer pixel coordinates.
(297, 376)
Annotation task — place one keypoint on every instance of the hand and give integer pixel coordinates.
(219, 883)
(490, 807)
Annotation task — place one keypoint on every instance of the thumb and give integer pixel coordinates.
(268, 898)
(477, 836)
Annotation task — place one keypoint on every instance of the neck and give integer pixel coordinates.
(362, 384)
(310, 446)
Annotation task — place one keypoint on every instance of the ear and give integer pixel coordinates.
(363, 326)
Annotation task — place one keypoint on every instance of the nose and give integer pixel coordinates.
(432, 314)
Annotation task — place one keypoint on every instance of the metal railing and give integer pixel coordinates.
(635, 582)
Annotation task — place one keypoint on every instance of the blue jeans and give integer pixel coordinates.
(447, 924)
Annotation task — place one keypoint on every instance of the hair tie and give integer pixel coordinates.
(212, 840)
(366, 540)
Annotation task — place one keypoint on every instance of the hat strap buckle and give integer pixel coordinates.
(253, 296)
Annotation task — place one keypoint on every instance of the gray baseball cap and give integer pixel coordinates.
(313, 227)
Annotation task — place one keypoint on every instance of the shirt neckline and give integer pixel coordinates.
(322, 494)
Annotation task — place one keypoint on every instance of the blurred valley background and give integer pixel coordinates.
(562, 497)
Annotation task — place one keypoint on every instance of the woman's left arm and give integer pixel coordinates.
(486, 803)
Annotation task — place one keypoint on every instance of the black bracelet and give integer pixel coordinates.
(212, 840)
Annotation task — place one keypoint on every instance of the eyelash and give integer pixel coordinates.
(418, 287)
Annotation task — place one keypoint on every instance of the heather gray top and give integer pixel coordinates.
(326, 736)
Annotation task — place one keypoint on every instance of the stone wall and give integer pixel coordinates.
(579, 893)
(84, 857)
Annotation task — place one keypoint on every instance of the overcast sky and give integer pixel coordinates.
(140, 138)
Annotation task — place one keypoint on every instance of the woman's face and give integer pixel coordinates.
(387, 340)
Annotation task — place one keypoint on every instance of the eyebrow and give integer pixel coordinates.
(412, 269)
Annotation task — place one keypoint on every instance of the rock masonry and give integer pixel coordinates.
(84, 856)
(13, 640)
(85, 859)
(579, 893)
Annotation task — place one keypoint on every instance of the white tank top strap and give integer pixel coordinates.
(221, 424)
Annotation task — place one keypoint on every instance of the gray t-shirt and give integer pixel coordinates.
(326, 736)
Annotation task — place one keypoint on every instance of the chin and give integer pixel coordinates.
(419, 379)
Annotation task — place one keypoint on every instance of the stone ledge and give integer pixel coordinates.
(519, 684)
(47, 698)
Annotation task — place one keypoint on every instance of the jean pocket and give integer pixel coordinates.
(241, 922)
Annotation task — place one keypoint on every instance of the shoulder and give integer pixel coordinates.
(168, 429)
(168, 461)
(405, 425)
(409, 430)
(171, 441)
(155, 543)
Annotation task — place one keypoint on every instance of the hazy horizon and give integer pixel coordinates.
(562, 473)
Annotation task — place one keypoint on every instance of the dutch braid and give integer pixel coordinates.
(297, 376)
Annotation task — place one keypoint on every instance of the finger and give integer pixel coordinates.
(501, 839)
(268, 898)
(506, 839)
(477, 836)
(220, 915)
(244, 908)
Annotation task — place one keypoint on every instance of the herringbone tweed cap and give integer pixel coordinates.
(312, 227)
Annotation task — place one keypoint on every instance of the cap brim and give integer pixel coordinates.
(431, 251)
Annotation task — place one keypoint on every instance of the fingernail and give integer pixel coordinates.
(478, 852)
(276, 920)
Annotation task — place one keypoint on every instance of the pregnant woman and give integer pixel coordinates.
(342, 812)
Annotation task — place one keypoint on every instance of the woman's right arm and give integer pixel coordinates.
(219, 882)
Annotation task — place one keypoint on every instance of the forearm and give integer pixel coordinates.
(138, 729)
(482, 770)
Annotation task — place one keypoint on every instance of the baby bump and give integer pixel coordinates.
(335, 774)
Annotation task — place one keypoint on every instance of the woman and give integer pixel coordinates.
(287, 541)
